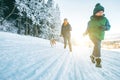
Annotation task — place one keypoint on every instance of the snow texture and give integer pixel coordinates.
(46, 15)
(31, 58)
(33, 17)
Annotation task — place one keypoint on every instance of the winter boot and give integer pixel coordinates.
(98, 62)
(92, 59)
(70, 49)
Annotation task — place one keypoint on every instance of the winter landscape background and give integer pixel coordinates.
(25, 52)
(30, 17)
(30, 58)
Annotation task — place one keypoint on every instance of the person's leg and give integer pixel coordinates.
(94, 42)
(51, 43)
(65, 42)
(97, 52)
(97, 48)
(69, 43)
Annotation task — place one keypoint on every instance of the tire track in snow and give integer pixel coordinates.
(39, 72)
(61, 69)
(30, 69)
(55, 69)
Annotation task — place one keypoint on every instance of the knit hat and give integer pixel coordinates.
(98, 8)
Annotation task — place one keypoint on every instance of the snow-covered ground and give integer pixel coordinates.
(30, 58)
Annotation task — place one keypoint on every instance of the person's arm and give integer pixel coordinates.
(70, 28)
(107, 25)
(86, 32)
(61, 31)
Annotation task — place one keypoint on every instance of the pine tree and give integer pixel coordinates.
(38, 18)
(50, 3)
(3, 8)
(54, 19)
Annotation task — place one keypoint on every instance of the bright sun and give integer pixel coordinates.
(78, 38)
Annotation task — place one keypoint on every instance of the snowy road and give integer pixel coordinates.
(28, 58)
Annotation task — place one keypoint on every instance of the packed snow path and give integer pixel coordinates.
(28, 58)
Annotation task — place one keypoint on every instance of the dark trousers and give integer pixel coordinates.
(97, 47)
(67, 39)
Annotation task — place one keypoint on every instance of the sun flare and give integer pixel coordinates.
(78, 38)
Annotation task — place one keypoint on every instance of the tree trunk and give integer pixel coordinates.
(19, 26)
(35, 31)
(9, 14)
